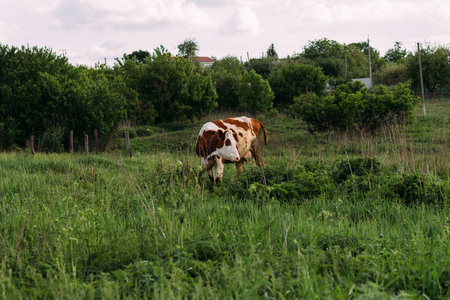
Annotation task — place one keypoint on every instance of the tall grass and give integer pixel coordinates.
(88, 227)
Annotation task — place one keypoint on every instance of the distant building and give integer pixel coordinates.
(204, 61)
(366, 81)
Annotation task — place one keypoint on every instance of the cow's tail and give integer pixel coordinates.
(264, 132)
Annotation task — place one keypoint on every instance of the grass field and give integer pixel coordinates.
(332, 216)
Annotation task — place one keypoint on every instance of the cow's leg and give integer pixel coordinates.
(256, 150)
(211, 175)
(219, 169)
(239, 167)
(208, 165)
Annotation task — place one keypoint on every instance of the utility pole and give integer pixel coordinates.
(421, 79)
(370, 63)
(345, 73)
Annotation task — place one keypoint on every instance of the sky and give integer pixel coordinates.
(93, 31)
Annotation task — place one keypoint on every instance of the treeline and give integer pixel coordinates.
(42, 94)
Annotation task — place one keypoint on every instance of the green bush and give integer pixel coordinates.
(415, 189)
(356, 166)
(390, 74)
(255, 94)
(52, 140)
(351, 106)
(292, 80)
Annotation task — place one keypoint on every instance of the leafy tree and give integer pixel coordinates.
(226, 73)
(271, 53)
(395, 55)
(328, 55)
(357, 62)
(375, 58)
(170, 88)
(40, 94)
(323, 48)
(188, 49)
(390, 74)
(139, 56)
(255, 94)
(435, 67)
(229, 64)
(262, 66)
(291, 80)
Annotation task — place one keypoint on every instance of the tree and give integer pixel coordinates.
(293, 79)
(188, 49)
(139, 56)
(271, 53)
(391, 74)
(435, 67)
(375, 58)
(262, 66)
(255, 94)
(41, 94)
(326, 54)
(226, 73)
(323, 48)
(395, 55)
(229, 64)
(170, 89)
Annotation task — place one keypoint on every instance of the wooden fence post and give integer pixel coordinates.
(96, 141)
(71, 142)
(127, 143)
(32, 144)
(86, 144)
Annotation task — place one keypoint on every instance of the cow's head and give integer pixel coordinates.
(229, 150)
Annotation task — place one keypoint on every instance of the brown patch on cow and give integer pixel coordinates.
(257, 128)
(208, 143)
(225, 161)
(241, 134)
(227, 142)
(235, 136)
(219, 144)
(237, 123)
(219, 123)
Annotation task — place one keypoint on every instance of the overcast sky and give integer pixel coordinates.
(90, 31)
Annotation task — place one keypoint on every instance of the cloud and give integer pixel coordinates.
(123, 14)
(7, 30)
(243, 20)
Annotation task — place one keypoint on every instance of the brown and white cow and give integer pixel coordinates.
(231, 140)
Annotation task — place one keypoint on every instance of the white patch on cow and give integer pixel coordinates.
(229, 152)
(208, 126)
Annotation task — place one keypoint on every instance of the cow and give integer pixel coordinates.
(230, 140)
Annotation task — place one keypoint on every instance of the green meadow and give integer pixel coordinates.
(336, 215)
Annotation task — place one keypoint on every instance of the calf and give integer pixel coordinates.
(231, 140)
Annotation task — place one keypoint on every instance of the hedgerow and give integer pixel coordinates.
(356, 178)
(351, 106)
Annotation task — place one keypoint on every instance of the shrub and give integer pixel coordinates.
(356, 166)
(414, 189)
(351, 106)
(255, 94)
(391, 74)
(52, 140)
(292, 80)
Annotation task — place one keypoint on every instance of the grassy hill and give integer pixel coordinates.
(333, 215)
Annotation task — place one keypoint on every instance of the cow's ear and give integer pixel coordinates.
(221, 134)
